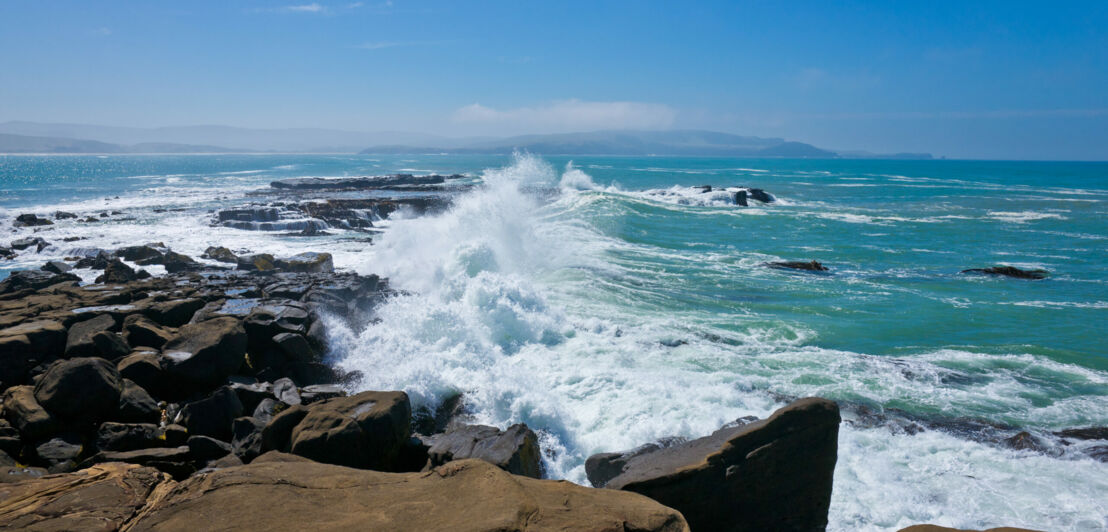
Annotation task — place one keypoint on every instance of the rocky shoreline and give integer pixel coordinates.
(143, 401)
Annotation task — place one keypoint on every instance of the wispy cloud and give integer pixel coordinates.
(305, 8)
(102, 31)
(570, 115)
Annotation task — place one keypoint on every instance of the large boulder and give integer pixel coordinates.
(33, 280)
(204, 354)
(140, 330)
(129, 436)
(220, 254)
(79, 342)
(30, 220)
(26, 414)
(773, 474)
(80, 389)
(213, 415)
(117, 272)
(144, 368)
(368, 430)
(27, 344)
(515, 450)
(310, 262)
(136, 405)
(256, 262)
(175, 262)
(175, 312)
(280, 492)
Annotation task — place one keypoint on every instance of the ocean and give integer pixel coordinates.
(607, 304)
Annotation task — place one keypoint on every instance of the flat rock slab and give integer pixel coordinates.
(277, 494)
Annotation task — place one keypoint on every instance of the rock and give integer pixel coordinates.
(773, 474)
(176, 262)
(30, 220)
(1010, 271)
(319, 392)
(85, 389)
(220, 254)
(144, 368)
(79, 342)
(136, 406)
(117, 272)
(246, 437)
(146, 456)
(204, 448)
(60, 454)
(739, 198)
(62, 215)
(1024, 441)
(935, 528)
(174, 313)
(812, 266)
(257, 262)
(285, 391)
(603, 467)
(250, 395)
(1085, 433)
(140, 330)
(98, 261)
(104, 497)
(213, 415)
(26, 414)
(356, 183)
(366, 430)
(28, 242)
(26, 345)
(310, 262)
(295, 347)
(222, 463)
(276, 492)
(760, 195)
(110, 345)
(56, 266)
(140, 254)
(277, 434)
(204, 354)
(33, 280)
(129, 436)
(515, 450)
(267, 321)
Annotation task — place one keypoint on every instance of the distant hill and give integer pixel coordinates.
(683, 142)
(32, 144)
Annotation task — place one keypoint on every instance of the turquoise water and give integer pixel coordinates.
(607, 305)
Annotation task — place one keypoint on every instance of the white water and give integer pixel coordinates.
(496, 311)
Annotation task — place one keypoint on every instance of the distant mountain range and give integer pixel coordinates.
(33, 137)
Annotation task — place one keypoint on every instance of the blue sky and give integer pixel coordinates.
(980, 80)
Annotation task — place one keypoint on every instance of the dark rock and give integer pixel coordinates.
(773, 474)
(204, 448)
(30, 220)
(204, 354)
(811, 266)
(603, 467)
(129, 436)
(295, 347)
(1010, 271)
(740, 198)
(28, 344)
(246, 438)
(98, 261)
(176, 262)
(760, 195)
(220, 254)
(60, 454)
(318, 392)
(175, 435)
(117, 272)
(62, 215)
(174, 313)
(267, 409)
(1085, 433)
(141, 254)
(310, 262)
(230, 460)
(144, 368)
(285, 391)
(110, 345)
(79, 342)
(23, 243)
(249, 214)
(277, 434)
(256, 262)
(356, 183)
(140, 330)
(515, 450)
(85, 389)
(33, 280)
(452, 408)
(213, 415)
(25, 413)
(56, 266)
(136, 406)
(250, 395)
(1024, 441)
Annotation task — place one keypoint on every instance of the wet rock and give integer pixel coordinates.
(603, 467)
(220, 254)
(62, 215)
(1085, 433)
(174, 313)
(246, 438)
(60, 454)
(1024, 441)
(295, 347)
(204, 448)
(811, 266)
(79, 342)
(773, 474)
(318, 392)
(256, 262)
(33, 280)
(98, 261)
(114, 436)
(117, 272)
(739, 198)
(139, 330)
(213, 415)
(760, 195)
(56, 266)
(204, 354)
(285, 391)
(28, 344)
(356, 183)
(136, 406)
(310, 262)
(366, 430)
(1009, 271)
(515, 450)
(85, 389)
(261, 214)
(140, 254)
(30, 220)
(25, 413)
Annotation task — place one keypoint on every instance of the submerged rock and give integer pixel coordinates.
(811, 266)
(774, 474)
(30, 220)
(1009, 271)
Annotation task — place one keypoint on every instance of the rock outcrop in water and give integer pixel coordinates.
(1009, 271)
(774, 474)
(810, 266)
(360, 183)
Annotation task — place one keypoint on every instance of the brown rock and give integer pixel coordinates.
(515, 450)
(773, 474)
(103, 497)
(140, 330)
(204, 354)
(366, 430)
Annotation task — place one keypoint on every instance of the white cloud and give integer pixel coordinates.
(570, 115)
(305, 8)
